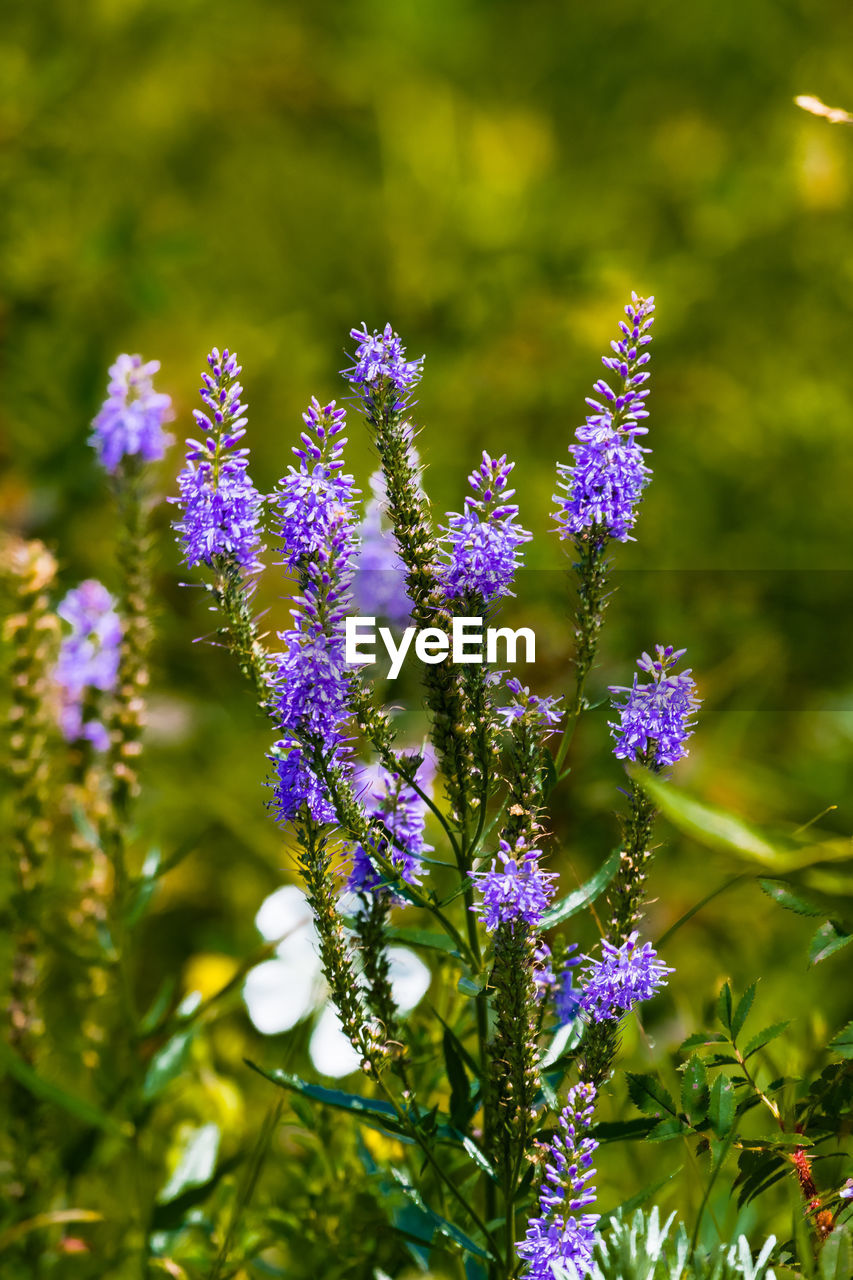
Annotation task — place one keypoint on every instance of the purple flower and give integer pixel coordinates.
(381, 358)
(315, 497)
(605, 483)
(562, 1236)
(846, 1192)
(88, 658)
(517, 890)
(482, 543)
(403, 812)
(541, 712)
(131, 419)
(620, 979)
(657, 714)
(318, 528)
(220, 505)
(566, 995)
(379, 585)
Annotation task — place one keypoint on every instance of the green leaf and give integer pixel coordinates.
(721, 1106)
(779, 851)
(649, 1095)
(622, 1130)
(724, 1007)
(46, 1091)
(428, 938)
(842, 1044)
(695, 1094)
(460, 1092)
(469, 986)
(196, 1164)
(836, 1257)
(168, 1063)
(444, 1228)
(764, 1037)
(830, 937)
(582, 897)
(704, 1038)
(478, 1157)
(672, 1127)
(370, 1109)
(742, 1011)
(783, 893)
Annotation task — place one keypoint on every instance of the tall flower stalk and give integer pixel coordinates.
(603, 485)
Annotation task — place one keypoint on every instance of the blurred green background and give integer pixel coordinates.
(494, 178)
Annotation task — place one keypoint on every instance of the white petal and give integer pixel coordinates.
(275, 998)
(283, 912)
(410, 978)
(330, 1049)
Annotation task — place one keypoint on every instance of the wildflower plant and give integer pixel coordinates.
(434, 938)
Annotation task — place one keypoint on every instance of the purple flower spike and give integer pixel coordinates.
(316, 496)
(381, 357)
(517, 890)
(88, 658)
(657, 714)
(620, 979)
(221, 507)
(605, 483)
(379, 585)
(560, 1239)
(482, 543)
(131, 419)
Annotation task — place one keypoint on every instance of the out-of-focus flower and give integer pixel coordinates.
(132, 417)
(88, 658)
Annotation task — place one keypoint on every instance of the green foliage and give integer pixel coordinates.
(645, 1249)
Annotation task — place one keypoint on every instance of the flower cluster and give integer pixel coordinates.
(379, 585)
(131, 418)
(482, 543)
(380, 358)
(318, 528)
(658, 714)
(403, 812)
(559, 1240)
(88, 658)
(603, 486)
(221, 507)
(518, 889)
(315, 497)
(541, 712)
(620, 979)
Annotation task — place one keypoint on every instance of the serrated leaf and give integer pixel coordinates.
(582, 897)
(671, 1127)
(695, 1094)
(724, 1007)
(842, 1044)
(704, 1038)
(784, 894)
(830, 937)
(741, 1013)
(721, 1106)
(836, 1257)
(764, 1037)
(648, 1095)
(623, 1130)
